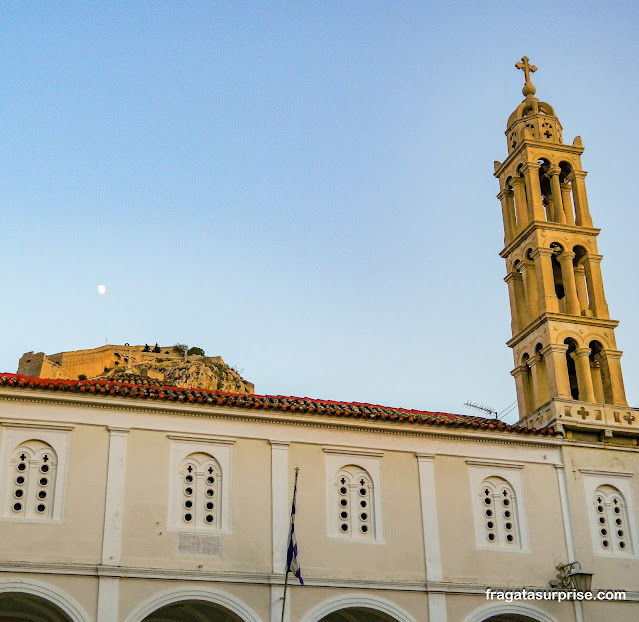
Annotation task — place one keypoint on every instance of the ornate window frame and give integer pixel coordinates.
(57, 437)
(482, 470)
(220, 449)
(594, 479)
(335, 459)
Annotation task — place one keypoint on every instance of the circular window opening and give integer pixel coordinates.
(509, 537)
(17, 507)
(18, 493)
(188, 518)
(600, 508)
(209, 518)
(617, 509)
(343, 527)
(487, 500)
(41, 507)
(507, 514)
(42, 494)
(210, 492)
(509, 526)
(620, 533)
(363, 516)
(362, 491)
(622, 545)
(604, 532)
(343, 515)
(362, 503)
(43, 481)
(364, 528)
(20, 480)
(188, 479)
(209, 505)
(506, 502)
(22, 466)
(343, 503)
(44, 468)
(491, 536)
(188, 504)
(602, 520)
(604, 543)
(188, 491)
(618, 521)
(489, 513)
(343, 490)
(210, 480)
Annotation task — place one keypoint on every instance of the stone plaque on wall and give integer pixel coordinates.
(199, 544)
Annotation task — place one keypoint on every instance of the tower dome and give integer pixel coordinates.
(532, 119)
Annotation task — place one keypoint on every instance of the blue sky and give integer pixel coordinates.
(304, 188)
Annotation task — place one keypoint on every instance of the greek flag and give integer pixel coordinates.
(292, 565)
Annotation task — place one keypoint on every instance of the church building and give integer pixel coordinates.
(142, 502)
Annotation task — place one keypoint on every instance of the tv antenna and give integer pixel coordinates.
(486, 409)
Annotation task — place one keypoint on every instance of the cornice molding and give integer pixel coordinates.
(563, 318)
(352, 451)
(547, 226)
(262, 578)
(202, 438)
(45, 425)
(531, 142)
(502, 464)
(605, 473)
(299, 420)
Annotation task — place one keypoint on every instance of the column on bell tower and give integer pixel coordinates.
(562, 336)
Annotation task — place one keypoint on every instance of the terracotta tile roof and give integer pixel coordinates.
(303, 405)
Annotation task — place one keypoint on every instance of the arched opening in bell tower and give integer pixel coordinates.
(566, 192)
(544, 188)
(600, 373)
(572, 369)
(527, 383)
(542, 375)
(580, 279)
(558, 279)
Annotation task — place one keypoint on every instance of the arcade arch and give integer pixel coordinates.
(356, 608)
(192, 605)
(30, 600)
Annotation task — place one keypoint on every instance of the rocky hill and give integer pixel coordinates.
(191, 374)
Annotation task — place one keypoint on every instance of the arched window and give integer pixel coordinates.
(499, 510)
(354, 503)
(32, 481)
(611, 518)
(200, 502)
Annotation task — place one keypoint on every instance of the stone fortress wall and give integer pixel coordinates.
(93, 362)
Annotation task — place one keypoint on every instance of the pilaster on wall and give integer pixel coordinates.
(108, 587)
(116, 471)
(280, 521)
(430, 526)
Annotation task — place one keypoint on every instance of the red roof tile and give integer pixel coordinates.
(269, 402)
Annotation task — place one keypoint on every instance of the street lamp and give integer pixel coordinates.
(571, 576)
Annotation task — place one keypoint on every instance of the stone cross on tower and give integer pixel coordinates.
(527, 68)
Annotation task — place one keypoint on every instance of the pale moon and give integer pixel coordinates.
(101, 290)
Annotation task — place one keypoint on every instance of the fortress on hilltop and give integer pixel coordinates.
(141, 364)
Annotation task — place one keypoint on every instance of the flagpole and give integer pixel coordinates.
(297, 470)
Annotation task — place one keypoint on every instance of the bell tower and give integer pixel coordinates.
(567, 365)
